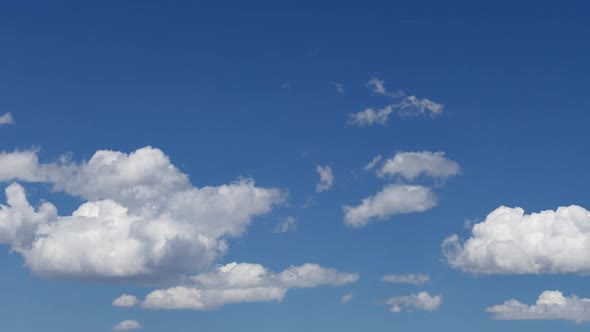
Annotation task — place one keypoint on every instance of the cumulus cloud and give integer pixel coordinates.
(326, 178)
(550, 305)
(126, 300)
(408, 278)
(509, 241)
(243, 282)
(421, 301)
(393, 199)
(142, 219)
(413, 106)
(289, 224)
(347, 298)
(410, 165)
(127, 325)
(6, 119)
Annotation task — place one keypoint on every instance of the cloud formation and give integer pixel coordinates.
(126, 300)
(326, 178)
(378, 87)
(410, 165)
(6, 119)
(243, 282)
(421, 301)
(142, 219)
(393, 199)
(509, 241)
(408, 278)
(347, 298)
(127, 325)
(551, 305)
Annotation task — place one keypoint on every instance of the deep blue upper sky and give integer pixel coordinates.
(245, 89)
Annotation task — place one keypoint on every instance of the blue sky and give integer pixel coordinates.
(251, 98)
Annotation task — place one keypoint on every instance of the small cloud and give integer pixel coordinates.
(285, 85)
(127, 325)
(372, 164)
(378, 86)
(326, 178)
(287, 225)
(408, 278)
(347, 298)
(338, 86)
(421, 301)
(370, 116)
(126, 301)
(6, 119)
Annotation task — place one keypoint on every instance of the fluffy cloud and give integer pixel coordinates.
(6, 118)
(413, 164)
(287, 225)
(421, 301)
(370, 116)
(127, 325)
(393, 199)
(126, 300)
(347, 298)
(142, 218)
(326, 178)
(235, 283)
(509, 241)
(550, 305)
(408, 278)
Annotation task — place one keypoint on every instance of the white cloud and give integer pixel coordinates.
(127, 325)
(338, 86)
(6, 119)
(393, 199)
(370, 116)
(412, 106)
(550, 305)
(244, 282)
(408, 278)
(126, 301)
(413, 164)
(287, 225)
(509, 241)
(372, 164)
(143, 219)
(326, 178)
(421, 301)
(378, 86)
(347, 298)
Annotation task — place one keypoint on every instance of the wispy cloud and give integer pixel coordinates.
(408, 278)
(421, 301)
(289, 224)
(127, 325)
(326, 178)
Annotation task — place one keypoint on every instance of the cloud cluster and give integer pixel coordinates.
(550, 305)
(509, 241)
(326, 178)
(127, 325)
(142, 218)
(408, 106)
(6, 119)
(242, 282)
(401, 198)
(408, 278)
(421, 301)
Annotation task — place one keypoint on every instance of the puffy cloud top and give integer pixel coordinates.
(509, 241)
